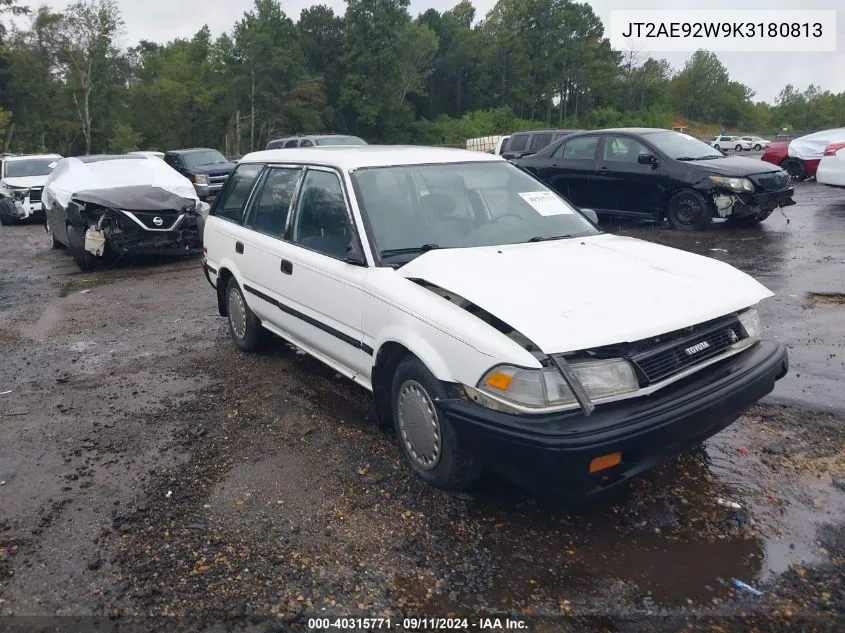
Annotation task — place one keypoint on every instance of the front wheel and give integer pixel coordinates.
(244, 326)
(689, 211)
(426, 438)
(76, 244)
(6, 218)
(795, 168)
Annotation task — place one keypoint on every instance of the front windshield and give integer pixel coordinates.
(340, 140)
(26, 168)
(205, 157)
(682, 146)
(415, 208)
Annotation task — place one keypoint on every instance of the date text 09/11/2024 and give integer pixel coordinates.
(415, 624)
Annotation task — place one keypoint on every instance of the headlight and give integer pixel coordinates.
(734, 184)
(751, 323)
(201, 179)
(546, 388)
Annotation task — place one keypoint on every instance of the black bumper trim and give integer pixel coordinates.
(554, 451)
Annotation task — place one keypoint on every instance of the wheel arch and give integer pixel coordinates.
(223, 277)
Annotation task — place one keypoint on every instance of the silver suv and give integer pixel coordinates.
(314, 140)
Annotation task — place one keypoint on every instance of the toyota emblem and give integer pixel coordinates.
(158, 221)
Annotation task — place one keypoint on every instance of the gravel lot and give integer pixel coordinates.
(150, 469)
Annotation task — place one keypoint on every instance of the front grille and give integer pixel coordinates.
(217, 181)
(772, 182)
(667, 360)
(147, 218)
(35, 194)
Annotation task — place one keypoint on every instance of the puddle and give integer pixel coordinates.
(822, 299)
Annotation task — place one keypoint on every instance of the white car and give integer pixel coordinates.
(757, 143)
(495, 324)
(148, 154)
(735, 143)
(22, 180)
(831, 170)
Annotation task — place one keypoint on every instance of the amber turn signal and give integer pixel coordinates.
(605, 461)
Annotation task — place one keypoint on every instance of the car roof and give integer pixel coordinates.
(547, 130)
(99, 158)
(188, 150)
(30, 156)
(350, 157)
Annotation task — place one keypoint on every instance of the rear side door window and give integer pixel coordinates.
(230, 203)
(291, 143)
(307, 143)
(583, 148)
(540, 141)
(518, 143)
(269, 211)
(322, 223)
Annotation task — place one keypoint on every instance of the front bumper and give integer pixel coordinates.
(748, 204)
(207, 193)
(553, 452)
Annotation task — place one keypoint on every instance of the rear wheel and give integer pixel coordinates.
(6, 218)
(738, 148)
(51, 239)
(795, 168)
(758, 147)
(76, 244)
(244, 326)
(426, 437)
(689, 211)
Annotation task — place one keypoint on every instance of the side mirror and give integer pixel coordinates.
(354, 254)
(592, 216)
(647, 159)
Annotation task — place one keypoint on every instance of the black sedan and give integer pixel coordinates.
(655, 174)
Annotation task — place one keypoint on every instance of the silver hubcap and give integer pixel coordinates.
(418, 425)
(237, 314)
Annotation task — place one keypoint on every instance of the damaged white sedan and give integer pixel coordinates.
(110, 207)
(496, 326)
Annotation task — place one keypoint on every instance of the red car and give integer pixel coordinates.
(800, 157)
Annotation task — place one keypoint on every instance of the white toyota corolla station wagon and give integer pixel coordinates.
(495, 324)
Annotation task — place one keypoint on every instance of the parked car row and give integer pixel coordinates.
(800, 157)
(418, 273)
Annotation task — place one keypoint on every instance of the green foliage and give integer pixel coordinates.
(376, 71)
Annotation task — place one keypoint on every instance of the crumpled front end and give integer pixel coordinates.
(756, 195)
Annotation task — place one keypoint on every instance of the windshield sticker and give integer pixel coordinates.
(546, 203)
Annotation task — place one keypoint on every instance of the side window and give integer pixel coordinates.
(583, 148)
(269, 212)
(518, 143)
(307, 143)
(170, 159)
(621, 149)
(274, 145)
(540, 141)
(291, 143)
(322, 223)
(230, 203)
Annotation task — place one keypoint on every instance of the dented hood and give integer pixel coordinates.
(580, 293)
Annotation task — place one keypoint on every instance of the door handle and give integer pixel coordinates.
(239, 247)
(286, 267)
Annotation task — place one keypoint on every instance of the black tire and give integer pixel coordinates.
(738, 148)
(795, 168)
(248, 335)
(76, 245)
(6, 218)
(688, 211)
(758, 147)
(716, 146)
(451, 466)
(51, 239)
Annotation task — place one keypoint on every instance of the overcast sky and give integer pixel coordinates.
(765, 73)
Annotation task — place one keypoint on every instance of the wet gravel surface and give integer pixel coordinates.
(150, 470)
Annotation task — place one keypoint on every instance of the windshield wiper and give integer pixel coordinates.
(390, 252)
(543, 238)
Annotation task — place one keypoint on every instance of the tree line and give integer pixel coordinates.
(68, 84)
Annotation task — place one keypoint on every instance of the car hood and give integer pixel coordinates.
(580, 293)
(734, 166)
(26, 181)
(214, 170)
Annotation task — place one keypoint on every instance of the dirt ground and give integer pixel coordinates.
(148, 469)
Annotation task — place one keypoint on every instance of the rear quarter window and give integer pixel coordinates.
(232, 199)
(540, 141)
(517, 143)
